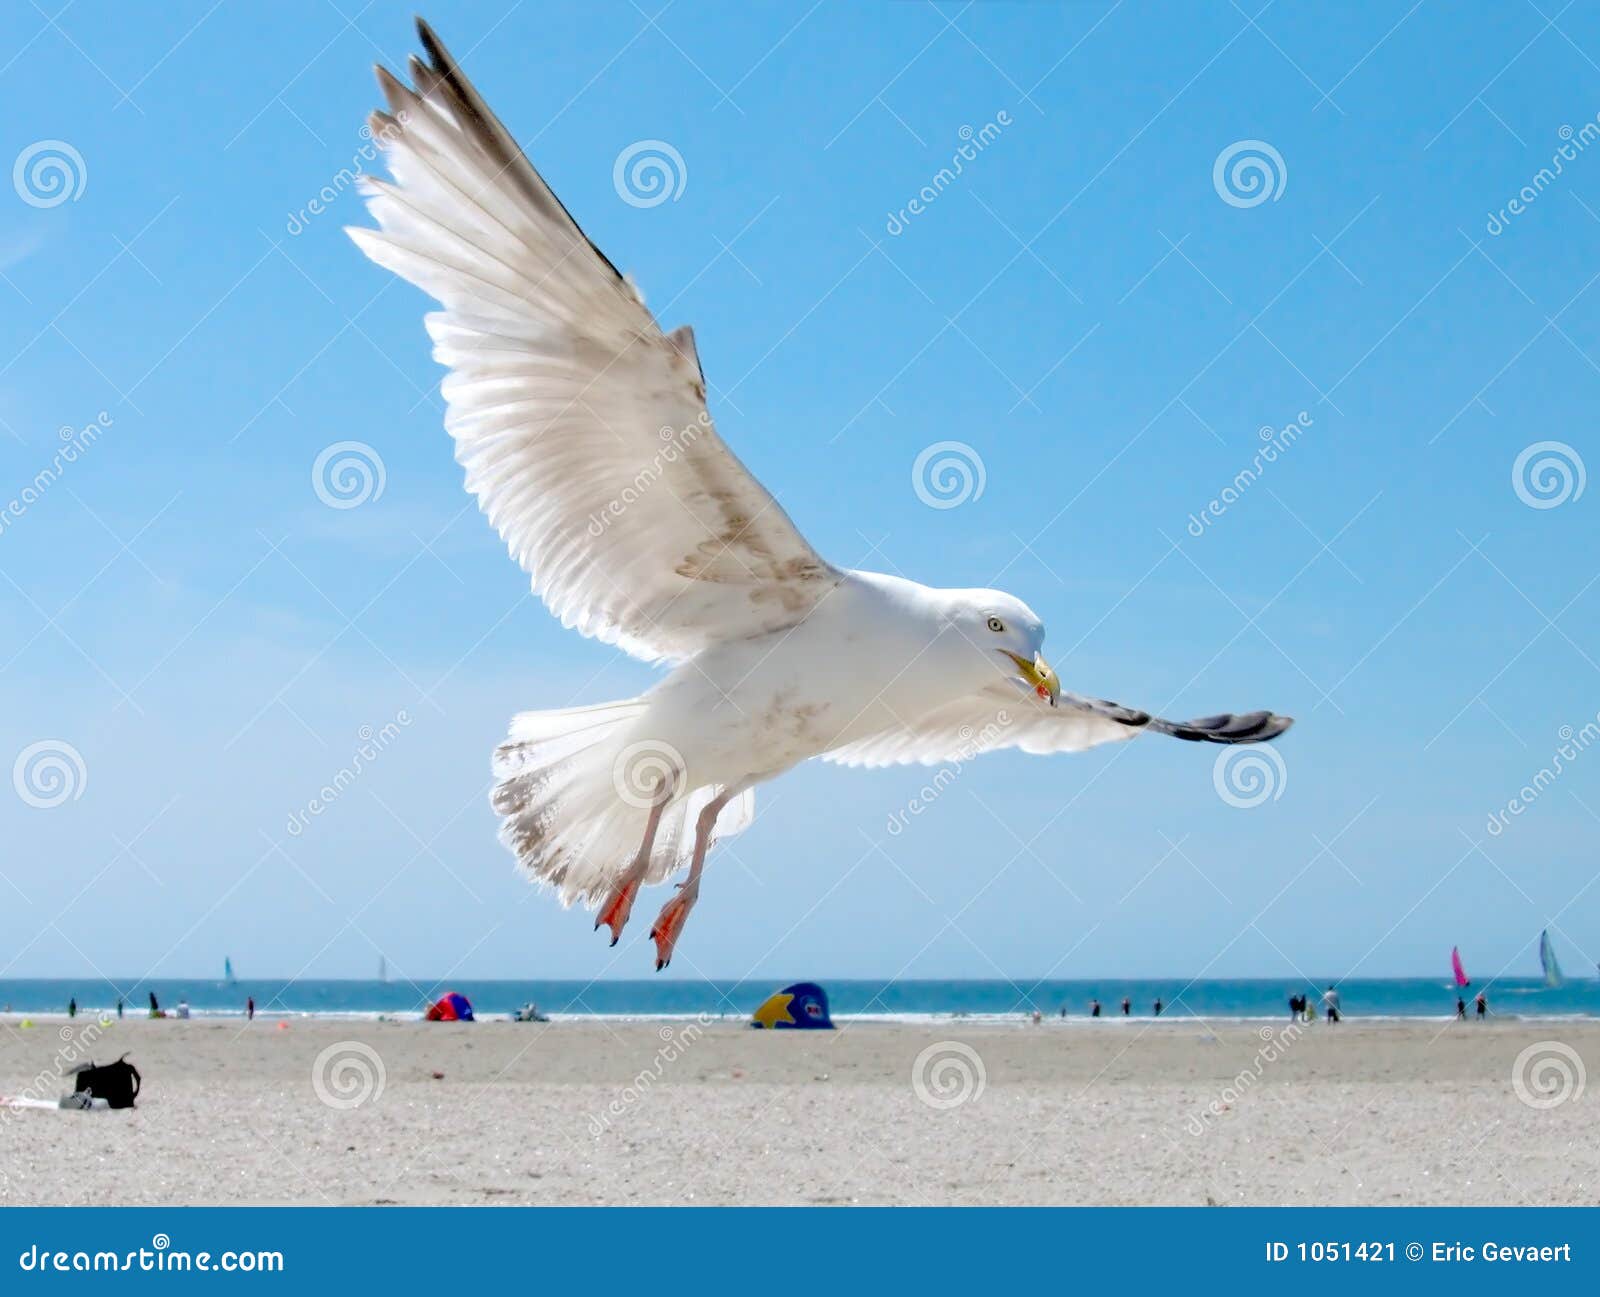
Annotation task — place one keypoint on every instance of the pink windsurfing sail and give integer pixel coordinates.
(1455, 965)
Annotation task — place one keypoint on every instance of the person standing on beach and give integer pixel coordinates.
(155, 1009)
(1094, 1008)
(1330, 1002)
(1127, 1006)
(250, 1008)
(1483, 1005)
(72, 1007)
(1158, 1006)
(1461, 1009)
(119, 1006)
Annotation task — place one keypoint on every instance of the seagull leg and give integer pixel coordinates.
(619, 901)
(669, 923)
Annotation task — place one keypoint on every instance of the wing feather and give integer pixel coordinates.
(1003, 716)
(581, 426)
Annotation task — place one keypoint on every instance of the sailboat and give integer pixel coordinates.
(1547, 961)
(227, 971)
(1456, 968)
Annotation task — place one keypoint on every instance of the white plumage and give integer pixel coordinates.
(584, 434)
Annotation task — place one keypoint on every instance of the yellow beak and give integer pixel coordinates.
(1040, 674)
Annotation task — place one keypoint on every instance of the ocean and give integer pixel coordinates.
(913, 1000)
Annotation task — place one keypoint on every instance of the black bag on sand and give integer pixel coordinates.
(117, 1083)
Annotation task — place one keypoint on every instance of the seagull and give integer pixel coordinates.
(584, 433)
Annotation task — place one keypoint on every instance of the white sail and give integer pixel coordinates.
(1547, 961)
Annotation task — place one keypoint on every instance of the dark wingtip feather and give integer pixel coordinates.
(476, 117)
(435, 47)
(1251, 727)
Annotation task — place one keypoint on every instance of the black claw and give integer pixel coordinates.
(616, 938)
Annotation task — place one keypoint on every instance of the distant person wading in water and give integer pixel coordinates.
(1483, 1005)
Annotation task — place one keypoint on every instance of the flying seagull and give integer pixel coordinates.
(584, 434)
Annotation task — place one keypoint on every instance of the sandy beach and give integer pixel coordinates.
(1177, 1112)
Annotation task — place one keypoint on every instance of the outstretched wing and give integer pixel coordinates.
(582, 427)
(1003, 716)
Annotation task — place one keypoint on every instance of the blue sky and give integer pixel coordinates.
(1084, 307)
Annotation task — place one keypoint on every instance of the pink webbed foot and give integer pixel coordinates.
(619, 905)
(669, 925)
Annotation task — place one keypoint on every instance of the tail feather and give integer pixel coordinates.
(564, 815)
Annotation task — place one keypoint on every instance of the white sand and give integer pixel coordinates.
(675, 1113)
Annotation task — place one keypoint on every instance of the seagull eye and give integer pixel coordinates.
(996, 625)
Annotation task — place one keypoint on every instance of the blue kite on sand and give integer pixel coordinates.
(801, 1007)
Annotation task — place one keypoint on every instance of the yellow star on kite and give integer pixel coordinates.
(774, 1011)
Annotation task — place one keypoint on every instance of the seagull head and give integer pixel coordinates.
(1008, 635)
